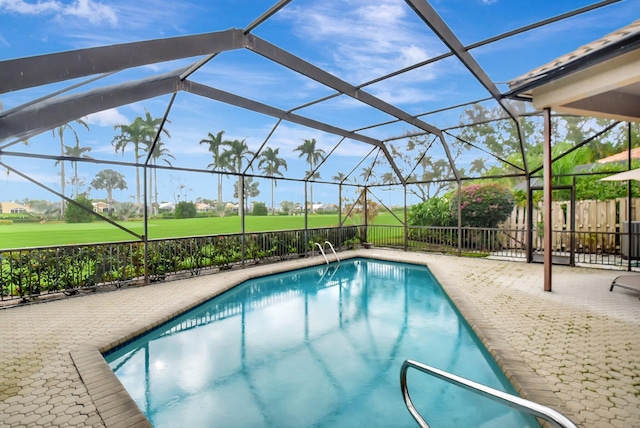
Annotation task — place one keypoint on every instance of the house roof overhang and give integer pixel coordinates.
(601, 79)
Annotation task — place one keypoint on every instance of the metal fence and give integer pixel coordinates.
(27, 273)
(32, 272)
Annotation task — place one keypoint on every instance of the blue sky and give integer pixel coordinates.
(356, 40)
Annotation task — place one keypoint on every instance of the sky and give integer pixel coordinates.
(355, 40)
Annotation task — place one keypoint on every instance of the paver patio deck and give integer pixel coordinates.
(577, 348)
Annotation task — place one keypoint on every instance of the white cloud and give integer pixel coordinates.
(93, 12)
(107, 118)
(368, 41)
(488, 2)
(26, 8)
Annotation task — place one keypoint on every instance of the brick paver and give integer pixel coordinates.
(581, 340)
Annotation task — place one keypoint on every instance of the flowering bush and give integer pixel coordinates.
(483, 205)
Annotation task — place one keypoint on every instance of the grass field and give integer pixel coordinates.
(23, 235)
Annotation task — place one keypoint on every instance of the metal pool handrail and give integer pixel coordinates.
(332, 249)
(554, 417)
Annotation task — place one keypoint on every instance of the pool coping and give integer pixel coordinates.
(117, 409)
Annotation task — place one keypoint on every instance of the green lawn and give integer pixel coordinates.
(22, 235)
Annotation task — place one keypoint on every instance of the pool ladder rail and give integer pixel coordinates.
(323, 253)
(556, 418)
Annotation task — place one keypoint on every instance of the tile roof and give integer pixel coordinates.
(582, 52)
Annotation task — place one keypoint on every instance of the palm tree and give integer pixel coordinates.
(308, 149)
(159, 153)
(232, 158)
(367, 174)
(108, 180)
(60, 130)
(153, 124)
(270, 163)
(76, 152)
(136, 133)
(477, 166)
(215, 142)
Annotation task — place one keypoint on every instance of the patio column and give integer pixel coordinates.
(547, 185)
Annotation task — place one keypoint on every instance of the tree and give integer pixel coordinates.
(185, 209)
(250, 191)
(60, 130)
(270, 164)
(313, 155)
(136, 134)
(259, 209)
(108, 180)
(478, 166)
(482, 205)
(159, 153)
(288, 207)
(233, 157)
(76, 152)
(153, 124)
(75, 214)
(428, 177)
(215, 142)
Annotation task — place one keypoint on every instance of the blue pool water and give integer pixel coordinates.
(317, 347)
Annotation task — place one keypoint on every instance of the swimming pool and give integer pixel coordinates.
(321, 347)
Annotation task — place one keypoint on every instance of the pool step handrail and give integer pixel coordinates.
(332, 249)
(554, 417)
(322, 252)
(321, 247)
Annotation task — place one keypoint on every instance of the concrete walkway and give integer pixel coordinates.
(576, 349)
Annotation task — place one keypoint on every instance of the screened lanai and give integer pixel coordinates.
(363, 110)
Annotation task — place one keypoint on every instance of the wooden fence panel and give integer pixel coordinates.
(596, 222)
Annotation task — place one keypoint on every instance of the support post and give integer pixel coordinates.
(406, 225)
(547, 185)
(459, 218)
(366, 215)
(528, 243)
(340, 215)
(145, 216)
(306, 219)
(242, 217)
(631, 240)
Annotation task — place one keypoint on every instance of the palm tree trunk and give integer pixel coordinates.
(137, 177)
(75, 177)
(273, 211)
(155, 189)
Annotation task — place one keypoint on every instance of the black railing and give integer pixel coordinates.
(32, 272)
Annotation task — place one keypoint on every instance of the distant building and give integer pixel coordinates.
(13, 208)
(100, 207)
(166, 207)
(201, 207)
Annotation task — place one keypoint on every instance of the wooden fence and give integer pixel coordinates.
(603, 220)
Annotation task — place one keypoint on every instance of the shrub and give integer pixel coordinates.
(432, 212)
(185, 210)
(259, 208)
(6, 222)
(483, 205)
(75, 214)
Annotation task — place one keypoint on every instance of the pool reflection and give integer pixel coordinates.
(321, 346)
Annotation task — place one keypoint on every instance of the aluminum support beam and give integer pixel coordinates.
(45, 116)
(44, 69)
(547, 198)
(428, 14)
(258, 107)
(309, 70)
